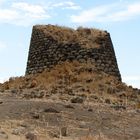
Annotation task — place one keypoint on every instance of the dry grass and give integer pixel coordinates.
(40, 133)
(86, 37)
(72, 75)
(99, 137)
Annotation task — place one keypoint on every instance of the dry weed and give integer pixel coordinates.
(85, 36)
(98, 137)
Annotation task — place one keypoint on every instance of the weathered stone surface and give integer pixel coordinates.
(3, 135)
(1, 102)
(51, 110)
(18, 131)
(31, 136)
(64, 131)
(77, 100)
(46, 52)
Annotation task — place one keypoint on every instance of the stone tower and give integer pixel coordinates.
(51, 45)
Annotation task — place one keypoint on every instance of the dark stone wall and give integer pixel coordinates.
(45, 52)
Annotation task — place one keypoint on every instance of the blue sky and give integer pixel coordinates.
(119, 17)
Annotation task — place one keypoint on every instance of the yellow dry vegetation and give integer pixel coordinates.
(72, 75)
(87, 37)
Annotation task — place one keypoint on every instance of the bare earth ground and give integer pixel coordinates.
(72, 101)
(46, 118)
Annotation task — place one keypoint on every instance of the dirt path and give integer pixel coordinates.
(55, 118)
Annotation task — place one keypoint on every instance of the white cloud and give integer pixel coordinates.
(95, 14)
(25, 13)
(32, 9)
(66, 5)
(71, 5)
(22, 13)
(2, 45)
(1, 1)
(6, 15)
(108, 13)
(132, 80)
(2, 80)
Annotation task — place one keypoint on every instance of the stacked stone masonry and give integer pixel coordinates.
(45, 52)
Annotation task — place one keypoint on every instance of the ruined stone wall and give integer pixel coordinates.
(45, 52)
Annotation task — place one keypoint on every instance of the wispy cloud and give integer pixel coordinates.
(33, 11)
(1, 1)
(2, 80)
(22, 13)
(108, 13)
(132, 80)
(66, 5)
(2, 45)
(25, 13)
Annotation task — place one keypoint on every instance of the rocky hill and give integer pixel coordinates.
(69, 97)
